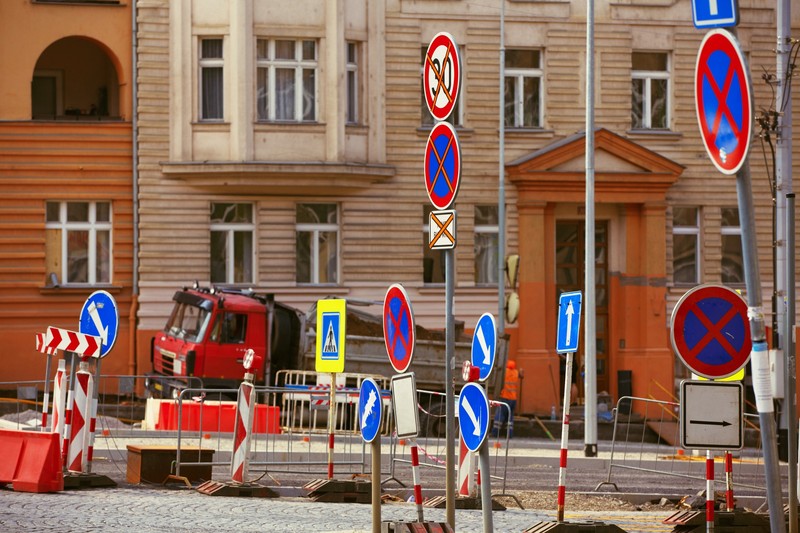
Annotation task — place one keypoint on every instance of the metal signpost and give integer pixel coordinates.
(723, 95)
(473, 421)
(441, 81)
(370, 410)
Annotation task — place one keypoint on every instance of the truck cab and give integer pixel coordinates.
(206, 336)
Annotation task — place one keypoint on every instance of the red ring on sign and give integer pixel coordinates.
(441, 75)
(398, 327)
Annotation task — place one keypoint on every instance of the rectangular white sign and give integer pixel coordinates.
(712, 415)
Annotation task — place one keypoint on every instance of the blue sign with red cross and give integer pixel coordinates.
(710, 331)
(442, 165)
(398, 327)
(723, 98)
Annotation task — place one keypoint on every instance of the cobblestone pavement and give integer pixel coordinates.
(143, 509)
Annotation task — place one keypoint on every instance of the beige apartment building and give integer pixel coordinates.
(281, 148)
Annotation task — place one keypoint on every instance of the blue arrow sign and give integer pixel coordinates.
(715, 13)
(569, 320)
(473, 415)
(100, 317)
(369, 410)
(484, 345)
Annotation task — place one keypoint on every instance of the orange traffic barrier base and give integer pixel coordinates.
(31, 461)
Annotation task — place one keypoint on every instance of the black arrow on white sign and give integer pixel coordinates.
(722, 423)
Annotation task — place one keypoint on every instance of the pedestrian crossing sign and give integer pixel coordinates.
(330, 335)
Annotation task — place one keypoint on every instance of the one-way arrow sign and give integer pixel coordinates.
(711, 415)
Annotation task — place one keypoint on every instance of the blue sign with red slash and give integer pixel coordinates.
(710, 331)
(442, 165)
(723, 98)
(398, 327)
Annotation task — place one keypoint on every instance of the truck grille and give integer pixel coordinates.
(166, 360)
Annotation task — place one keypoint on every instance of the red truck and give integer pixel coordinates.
(209, 331)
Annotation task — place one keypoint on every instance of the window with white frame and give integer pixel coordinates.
(432, 260)
(486, 244)
(351, 68)
(650, 90)
(685, 245)
(317, 245)
(286, 78)
(523, 90)
(232, 231)
(78, 242)
(211, 81)
(732, 258)
(456, 118)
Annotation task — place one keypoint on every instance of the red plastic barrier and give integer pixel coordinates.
(217, 416)
(31, 461)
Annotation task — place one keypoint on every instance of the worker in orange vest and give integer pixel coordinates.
(509, 396)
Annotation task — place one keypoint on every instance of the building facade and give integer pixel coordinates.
(66, 172)
(281, 147)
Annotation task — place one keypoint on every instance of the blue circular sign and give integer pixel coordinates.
(473, 415)
(100, 317)
(369, 410)
(442, 168)
(484, 345)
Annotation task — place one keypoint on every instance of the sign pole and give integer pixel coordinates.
(562, 470)
(486, 489)
(375, 446)
(331, 424)
(46, 398)
(759, 360)
(450, 450)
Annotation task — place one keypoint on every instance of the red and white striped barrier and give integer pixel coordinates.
(466, 470)
(59, 401)
(710, 497)
(242, 428)
(562, 470)
(72, 341)
(729, 503)
(416, 478)
(41, 344)
(78, 451)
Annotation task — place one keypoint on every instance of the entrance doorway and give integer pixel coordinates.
(570, 276)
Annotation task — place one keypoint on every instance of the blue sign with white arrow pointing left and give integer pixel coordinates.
(569, 319)
(484, 345)
(100, 317)
(473, 415)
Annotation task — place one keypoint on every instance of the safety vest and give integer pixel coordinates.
(511, 385)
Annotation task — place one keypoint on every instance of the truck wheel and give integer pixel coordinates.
(435, 421)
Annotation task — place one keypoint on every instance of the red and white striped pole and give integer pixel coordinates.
(41, 346)
(245, 401)
(331, 424)
(90, 436)
(709, 491)
(416, 478)
(67, 428)
(729, 504)
(59, 401)
(78, 450)
(562, 471)
(466, 470)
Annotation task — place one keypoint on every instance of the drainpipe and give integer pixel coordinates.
(135, 154)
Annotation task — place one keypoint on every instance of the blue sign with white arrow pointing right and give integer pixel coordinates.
(484, 345)
(569, 320)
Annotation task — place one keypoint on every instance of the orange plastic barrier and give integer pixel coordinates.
(217, 416)
(31, 461)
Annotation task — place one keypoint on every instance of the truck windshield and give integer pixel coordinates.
(188, 322)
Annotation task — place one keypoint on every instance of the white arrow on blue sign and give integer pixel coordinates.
(100, 317)
(484, 345)
(569, 320)
(473, 415)
(715, 13)
(369, 409)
